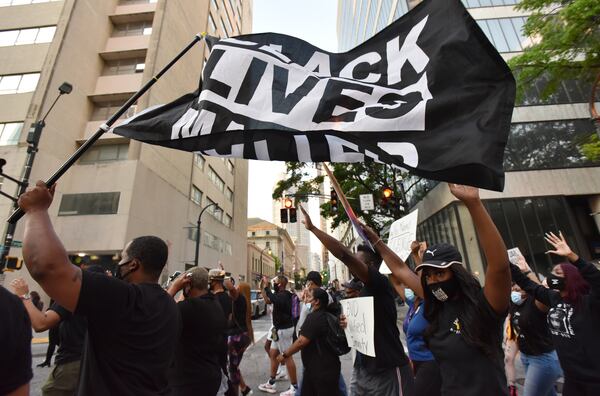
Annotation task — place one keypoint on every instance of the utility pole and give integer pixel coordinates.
(33, 140)
(198, 230)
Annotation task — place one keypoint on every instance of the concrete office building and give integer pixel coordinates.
(119, 189)
(550, 182)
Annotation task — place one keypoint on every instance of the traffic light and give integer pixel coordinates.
(387, 197)
(293, 216)
(334, 201)
(283, 213)
(287, 203)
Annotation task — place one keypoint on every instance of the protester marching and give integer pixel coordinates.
(430, 278)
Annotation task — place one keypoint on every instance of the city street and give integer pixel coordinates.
(255, 365)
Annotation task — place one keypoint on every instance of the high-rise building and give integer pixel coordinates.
(119, 189)
(551, 184)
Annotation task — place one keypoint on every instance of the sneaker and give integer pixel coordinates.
(281, 375)
(267, 387)
(247, 391)
(289, 392)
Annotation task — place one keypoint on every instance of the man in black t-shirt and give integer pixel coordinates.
(71, 329)
(216, 277)
(197, 368)
(388, 373)
(132, 321)
(15, 333)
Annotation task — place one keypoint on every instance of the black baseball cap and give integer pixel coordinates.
(441, 255)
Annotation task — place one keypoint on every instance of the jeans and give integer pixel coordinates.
(541, 373)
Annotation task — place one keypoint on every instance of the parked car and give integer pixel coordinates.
(259, 307)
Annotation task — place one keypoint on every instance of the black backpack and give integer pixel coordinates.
(336, 337)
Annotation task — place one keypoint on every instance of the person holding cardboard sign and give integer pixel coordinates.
(389, 372)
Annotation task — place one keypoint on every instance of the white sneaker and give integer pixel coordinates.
(289, 392)
(267, 387)
(281, 375)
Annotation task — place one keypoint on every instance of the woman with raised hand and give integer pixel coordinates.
(465, 320)
(573, 303)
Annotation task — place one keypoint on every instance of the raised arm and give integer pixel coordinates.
(40, 321)
(230, 287)
(266, 291)
(341, 252)
(588, 271)
(497, 275)
(43, 252)
(537, 291)
(400, 270)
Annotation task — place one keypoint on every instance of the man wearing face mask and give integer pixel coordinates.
(197, 368)
(132, 321)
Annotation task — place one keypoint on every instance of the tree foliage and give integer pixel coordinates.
(566, 42)
(354, 179)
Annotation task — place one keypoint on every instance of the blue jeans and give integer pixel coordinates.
(541, 373)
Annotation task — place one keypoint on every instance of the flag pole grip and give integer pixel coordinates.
(18, 213)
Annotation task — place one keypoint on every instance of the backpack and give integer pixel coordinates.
(295, 308)
(336, 337)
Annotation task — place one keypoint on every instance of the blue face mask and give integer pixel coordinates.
(409, 294)
(516, 298)
(309, 307)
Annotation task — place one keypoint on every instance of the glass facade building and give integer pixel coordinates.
(552, 170)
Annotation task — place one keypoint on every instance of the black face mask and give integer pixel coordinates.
(276, 288)
(119, 275)
(556, 282)
(444, 290)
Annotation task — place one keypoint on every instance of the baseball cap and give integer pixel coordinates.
(441, 255)
(353, 284)
(216, 274)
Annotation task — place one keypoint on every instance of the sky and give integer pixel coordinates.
(314, 21)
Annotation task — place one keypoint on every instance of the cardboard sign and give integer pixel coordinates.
(402, 232)
(361, 324)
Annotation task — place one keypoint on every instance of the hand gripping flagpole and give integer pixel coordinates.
(17, 214)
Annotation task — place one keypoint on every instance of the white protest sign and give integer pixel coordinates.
(366, 202)
(513, 255)
(402, 232)
(361, 324)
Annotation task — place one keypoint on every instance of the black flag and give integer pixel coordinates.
(429, 93)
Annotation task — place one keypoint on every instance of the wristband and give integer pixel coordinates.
(25, 296)
(376, 242)
(527, 272)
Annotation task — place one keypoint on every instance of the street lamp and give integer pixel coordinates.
(33, 140)
(261, 259)
(198, 230)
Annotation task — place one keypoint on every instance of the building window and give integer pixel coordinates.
(18, 83)
(217, 243)
(225, 33)
(522, 222)
(253, 233)
(506, 34)
(228, 25)
(27, 36)
(104, 110)
(230, 166)
(550, 145)
(267, 233)
(229, 194)
(105, 153)
(199, 160)
(214, 210)
(216, 179)
(10, 133)
(196, 195)
(567, 91)
(89, 204)
(488, 3)
(8, 3)
(227, 220)
(214, 4)
(124, 66)
(143, 28)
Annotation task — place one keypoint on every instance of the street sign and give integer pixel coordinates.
(17, 244)
(366, 202)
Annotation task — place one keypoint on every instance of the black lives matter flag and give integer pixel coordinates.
(429, 94)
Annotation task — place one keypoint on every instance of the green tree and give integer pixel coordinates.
(591, 148)
(354, 179)
(566, 43)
